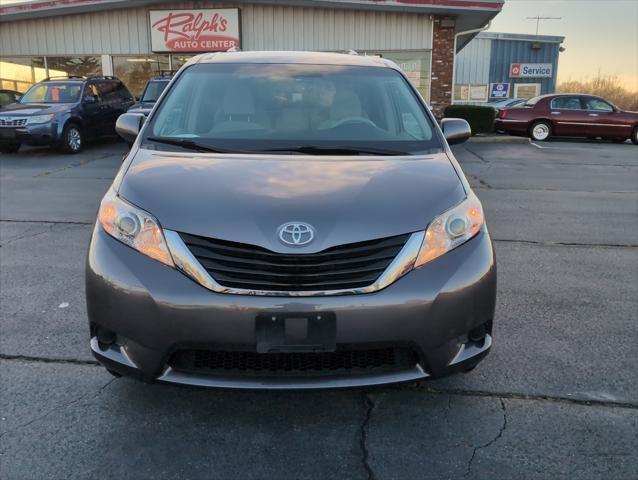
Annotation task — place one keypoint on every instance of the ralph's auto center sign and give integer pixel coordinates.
(208, 30)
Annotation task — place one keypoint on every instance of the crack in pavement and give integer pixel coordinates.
(56, 222)
(587, 402)
(491, 442)
(363, 435)
(26, 234)
(565, 244)
(27, 358)
(58, 407)
(482, 183)
(561, 190)
(480, 157)
(74, 165)
(50, 228)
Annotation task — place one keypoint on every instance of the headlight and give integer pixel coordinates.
(134, 227)
(41, 118)
(451, 229)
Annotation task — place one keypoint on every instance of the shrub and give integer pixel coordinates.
(480, 118)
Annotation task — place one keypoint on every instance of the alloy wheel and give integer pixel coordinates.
(540, 131)
(74, 139)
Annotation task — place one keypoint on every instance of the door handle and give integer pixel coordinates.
(555, 113)
(593, 115)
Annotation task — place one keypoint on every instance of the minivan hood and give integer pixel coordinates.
(245, 198)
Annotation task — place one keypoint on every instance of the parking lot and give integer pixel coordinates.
(556, 398)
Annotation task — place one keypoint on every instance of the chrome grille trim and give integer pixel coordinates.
(12, 121)
(186, 262)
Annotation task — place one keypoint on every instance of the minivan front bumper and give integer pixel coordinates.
(147, 312)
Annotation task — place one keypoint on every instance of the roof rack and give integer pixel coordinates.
(165, 73)
(57, 77)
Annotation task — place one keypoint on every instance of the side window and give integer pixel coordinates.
(114, 91)
(91, 91)
(407, 118)
(566, 103)
(5, 98)
(598, 105)
(107, 91)
(123, 92)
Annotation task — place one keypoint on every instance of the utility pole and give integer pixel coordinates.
(539, 18)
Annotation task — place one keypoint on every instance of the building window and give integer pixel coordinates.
(82, 66)
(20, 73)
(471, 93)
(527, 90)
(415, 64)
(135, 71)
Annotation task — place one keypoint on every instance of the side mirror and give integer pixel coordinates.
(128, 125)
(455, 130)
(90, 99)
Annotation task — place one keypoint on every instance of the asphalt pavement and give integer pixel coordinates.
(556, 398)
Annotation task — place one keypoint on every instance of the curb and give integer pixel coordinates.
(501, 139)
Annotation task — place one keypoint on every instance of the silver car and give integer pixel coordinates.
(290, 220)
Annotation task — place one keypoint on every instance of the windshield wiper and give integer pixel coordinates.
(188, 144)
(336, 150)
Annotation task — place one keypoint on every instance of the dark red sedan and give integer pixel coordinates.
(569, 115)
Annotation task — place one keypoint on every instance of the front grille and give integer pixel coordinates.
(238, 265)
(344, 362)
(12, 122)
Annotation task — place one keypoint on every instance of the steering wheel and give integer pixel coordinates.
(349, 120)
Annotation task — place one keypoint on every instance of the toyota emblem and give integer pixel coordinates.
(296, 234)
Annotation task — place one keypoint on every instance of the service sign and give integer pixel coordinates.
(208, 30)
(530, 70)
(499, 90)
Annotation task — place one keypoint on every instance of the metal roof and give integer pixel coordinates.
(521, 37)
(469, 14)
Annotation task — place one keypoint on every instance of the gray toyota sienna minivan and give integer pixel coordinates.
(290, 220)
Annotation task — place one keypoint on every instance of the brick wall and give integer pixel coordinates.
(442, 65)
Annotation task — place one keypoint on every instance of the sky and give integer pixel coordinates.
(600, 35)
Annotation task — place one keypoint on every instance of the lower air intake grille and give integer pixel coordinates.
(282, 364)
(249, 267)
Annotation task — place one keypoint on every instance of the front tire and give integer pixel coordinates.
(634, 136)
(540, 131)
(9, 147)
(72, 139)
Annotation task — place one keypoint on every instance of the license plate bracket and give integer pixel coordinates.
(7, 133)
(296, 332)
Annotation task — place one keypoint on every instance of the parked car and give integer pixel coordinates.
(64, 111)
(7, 97)
(152, 91)
(569, 115)
(306, 226)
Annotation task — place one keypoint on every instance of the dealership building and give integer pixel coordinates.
(496, 66)
(134, 39)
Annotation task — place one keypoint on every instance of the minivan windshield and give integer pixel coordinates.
(293, 107)
(53, 92)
